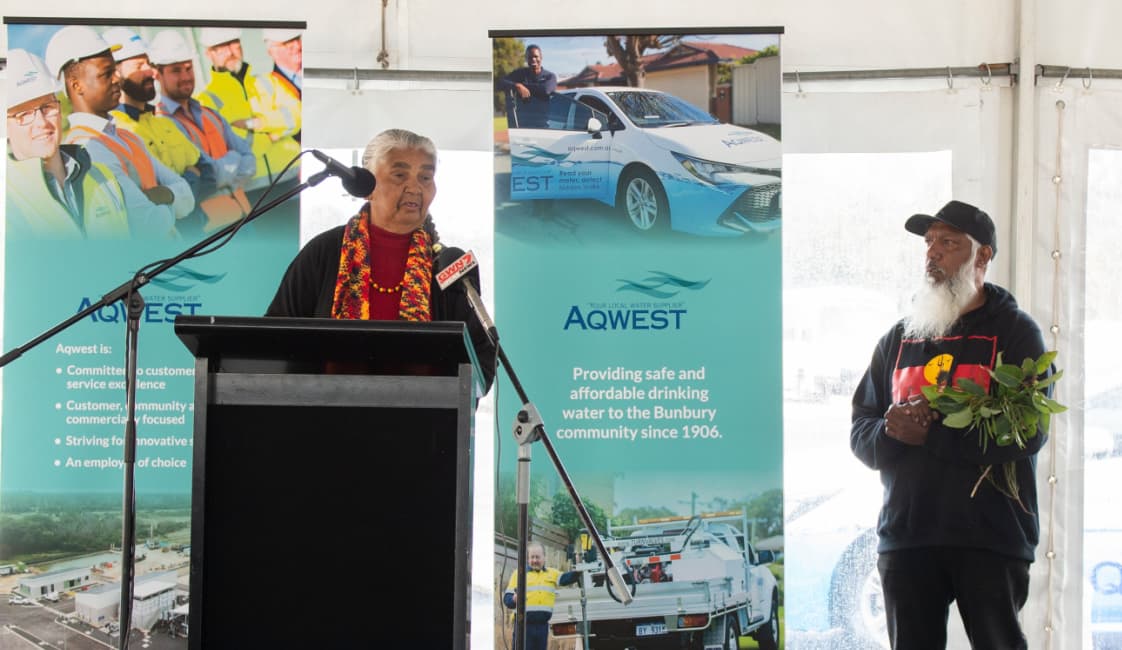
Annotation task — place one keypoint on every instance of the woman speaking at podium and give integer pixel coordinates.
(381, 264)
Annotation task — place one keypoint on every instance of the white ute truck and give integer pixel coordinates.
(697, 584)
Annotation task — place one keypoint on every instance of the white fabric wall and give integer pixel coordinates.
(820, 34)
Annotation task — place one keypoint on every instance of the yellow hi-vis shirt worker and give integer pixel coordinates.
(541, 588)
(34, 210)
(541, 593)
(247, 103)
(161, 136)
(54, 191)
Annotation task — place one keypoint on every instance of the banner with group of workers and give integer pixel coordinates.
(638, 276)
(127, 144)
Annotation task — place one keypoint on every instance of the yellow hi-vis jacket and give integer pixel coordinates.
(252, 100)
(284, 101)
(32, 209)
(541, 589)
(164, 140)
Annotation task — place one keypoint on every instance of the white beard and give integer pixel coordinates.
(936, 306)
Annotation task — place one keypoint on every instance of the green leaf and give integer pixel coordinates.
(1016, 409)
(1010, 376)
(957, 396)
(1054, 406)
(1045, 361)
(970, 386)
(946, 406)
(959, 420)
(931, 392)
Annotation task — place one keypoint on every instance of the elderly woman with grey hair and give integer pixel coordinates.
(381, 264)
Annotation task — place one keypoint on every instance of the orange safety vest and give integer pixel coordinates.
(209, 136)
(227, 206)
(131, 155)
(287, 83)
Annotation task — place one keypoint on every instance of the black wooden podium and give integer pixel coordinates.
(331, 483)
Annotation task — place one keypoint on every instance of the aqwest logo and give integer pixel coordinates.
(640, 316)
(175, 280)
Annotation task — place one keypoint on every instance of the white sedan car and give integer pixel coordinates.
(661, 161)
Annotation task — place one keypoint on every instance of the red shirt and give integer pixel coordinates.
(388, 254)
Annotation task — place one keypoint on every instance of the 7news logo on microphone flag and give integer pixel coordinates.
(454, 271)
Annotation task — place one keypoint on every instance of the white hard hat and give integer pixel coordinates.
(74, 43)
(169, 47)
(211, 36)
(281, 35)
(131, 43)
(28, 78)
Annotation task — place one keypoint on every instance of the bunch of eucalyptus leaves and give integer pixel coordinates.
(1010, 414)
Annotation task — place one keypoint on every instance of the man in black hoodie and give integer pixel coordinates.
(939, 544)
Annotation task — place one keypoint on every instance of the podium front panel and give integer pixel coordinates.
(330, 493)
(329, 527)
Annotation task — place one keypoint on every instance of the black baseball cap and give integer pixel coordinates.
(962, 216)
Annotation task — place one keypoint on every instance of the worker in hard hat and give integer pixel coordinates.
(236, 92)
(161, 135)
(286, 82)
(54, 191)
(233, 162)
(155, 196)
(135, 112)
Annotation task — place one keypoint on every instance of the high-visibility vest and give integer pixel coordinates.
(207, 137)
(162, 137)
(285, 101)
(32, 208)
(231, 98)
(129, 151)
(286, 83)
(541, 588)
(226, 205)
(271, 141)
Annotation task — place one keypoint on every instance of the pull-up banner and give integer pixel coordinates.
(638, 232)
(128, 142)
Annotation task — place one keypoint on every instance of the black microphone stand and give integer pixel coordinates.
(129, 294)
(529, 428)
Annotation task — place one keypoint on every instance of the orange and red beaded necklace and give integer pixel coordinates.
(355, 282)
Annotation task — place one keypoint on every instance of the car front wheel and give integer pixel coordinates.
(642, 199)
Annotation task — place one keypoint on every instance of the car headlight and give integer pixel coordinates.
(707, 170)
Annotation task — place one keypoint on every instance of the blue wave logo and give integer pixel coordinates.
(183, 279)
(661, 285)
(535, 156)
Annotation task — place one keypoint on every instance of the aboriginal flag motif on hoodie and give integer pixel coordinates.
(923, 362)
